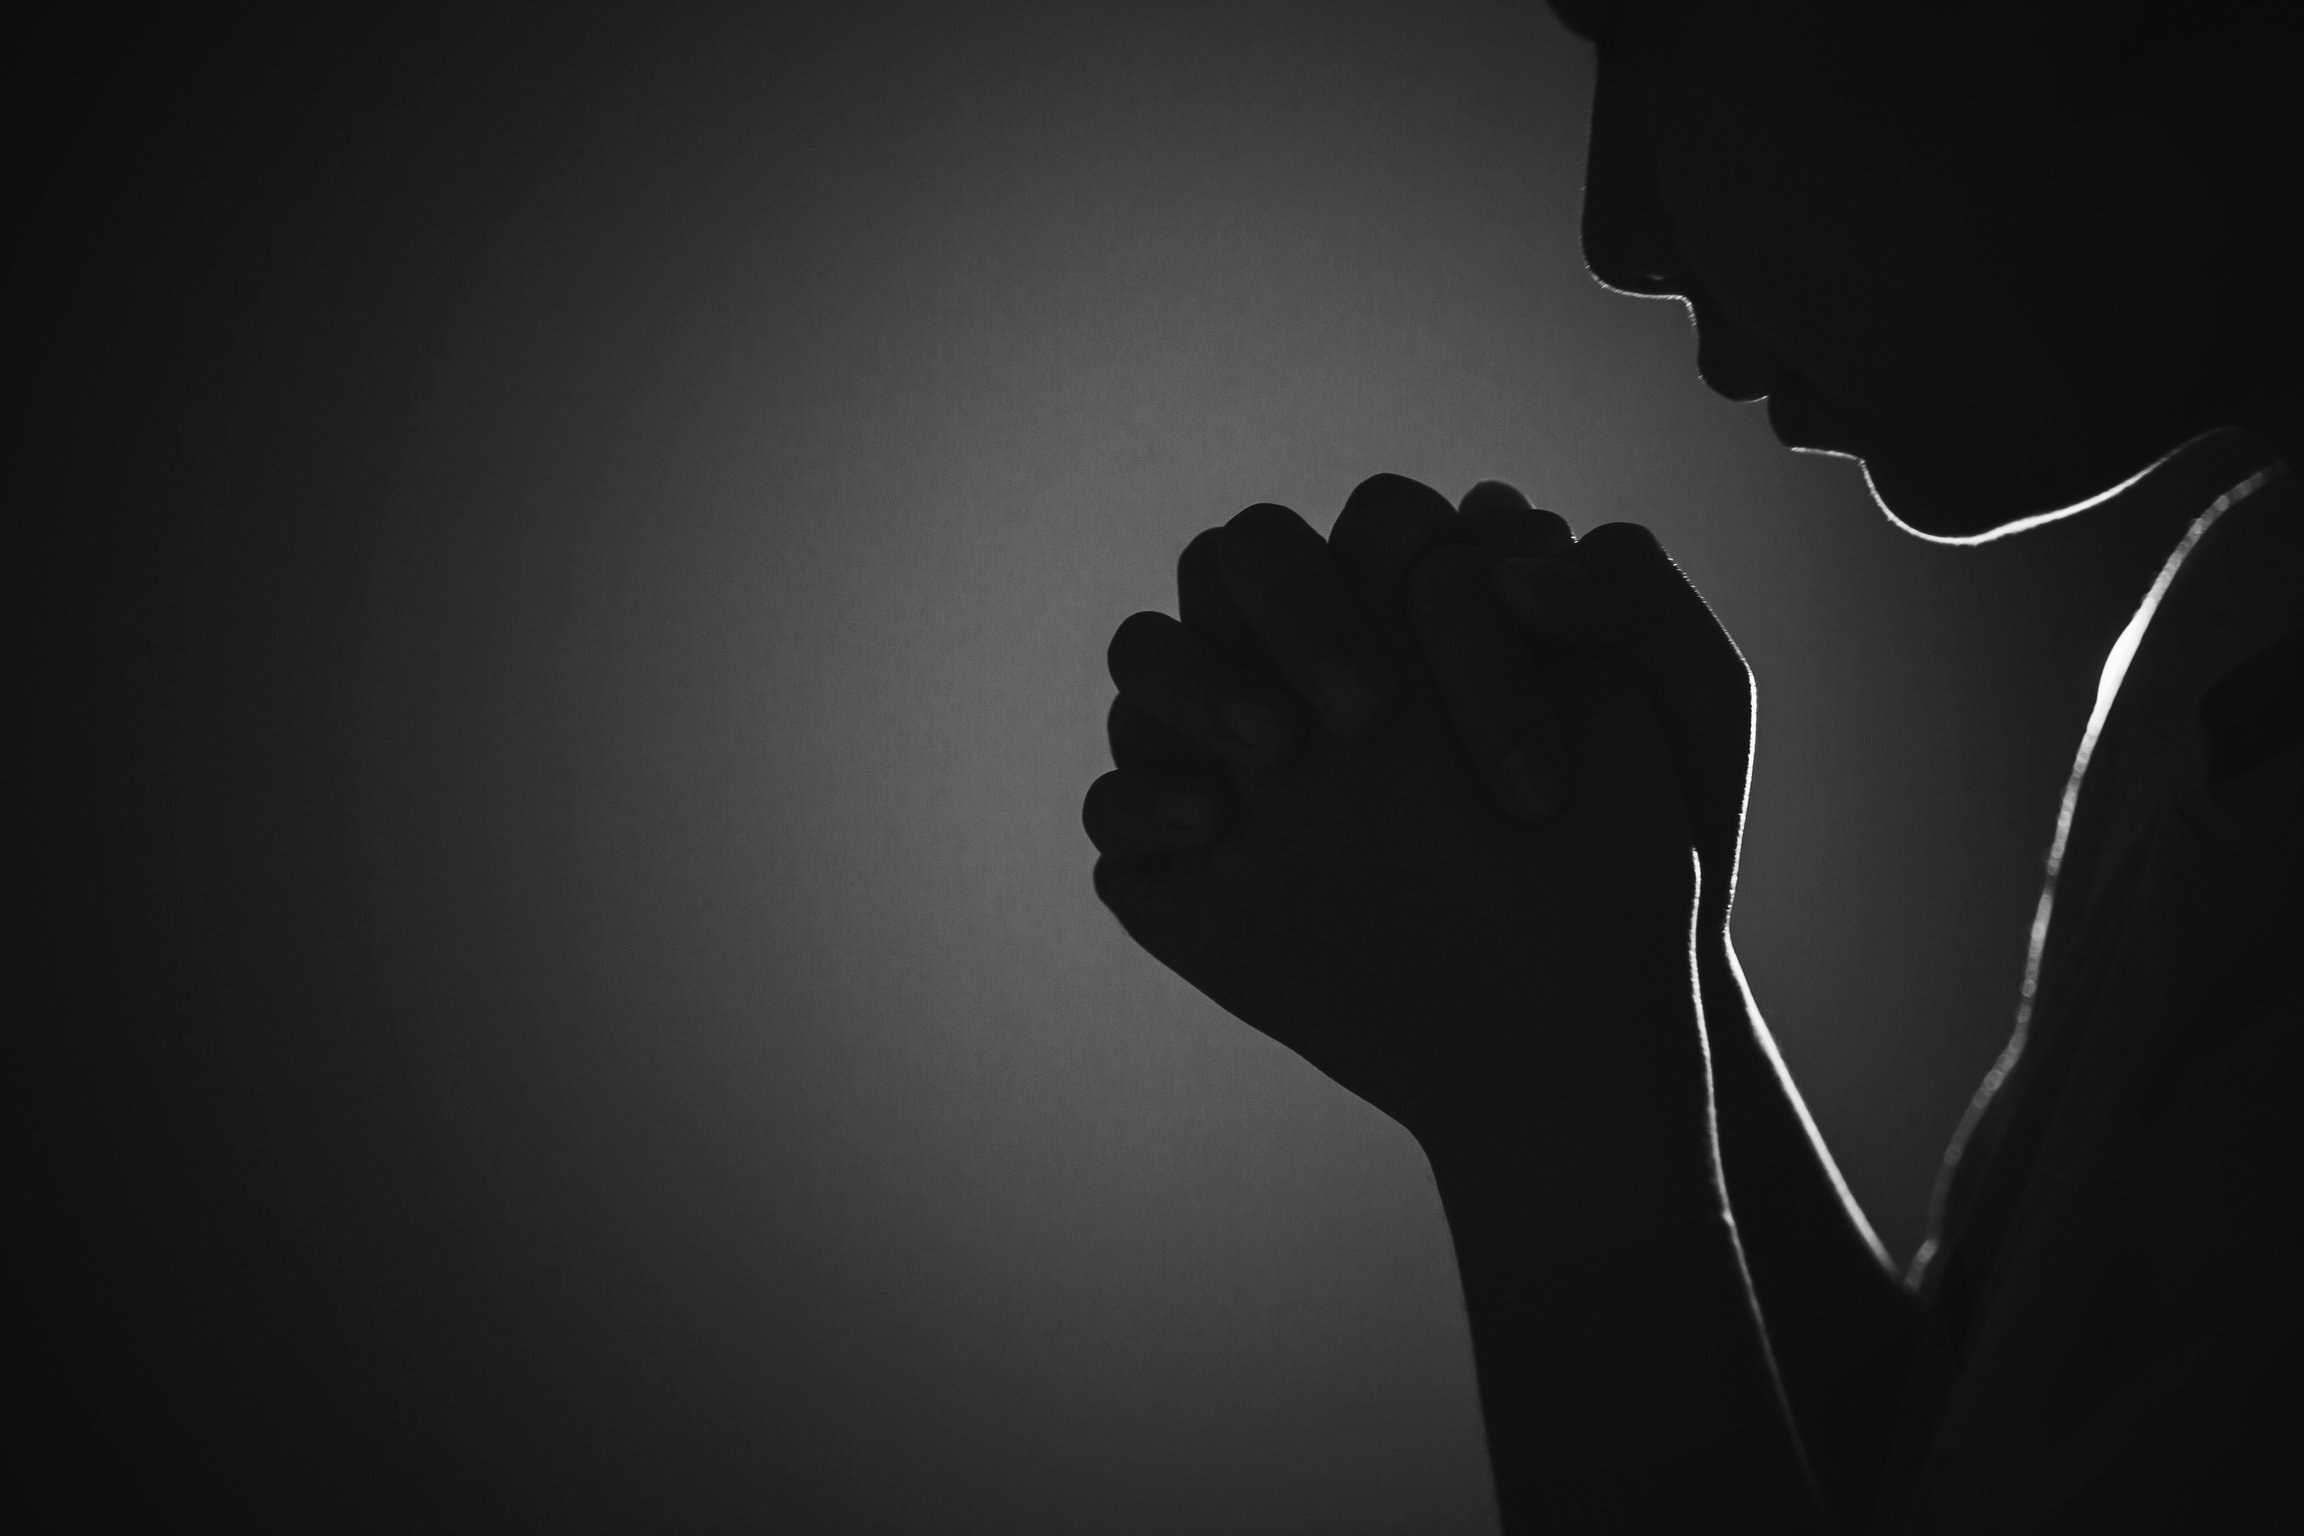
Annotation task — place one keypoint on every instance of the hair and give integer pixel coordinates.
(2217, 75)
(2212, 72)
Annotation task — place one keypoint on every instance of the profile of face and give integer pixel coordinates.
(1928, 235)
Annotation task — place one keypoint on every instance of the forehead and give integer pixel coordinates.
(1812, 59)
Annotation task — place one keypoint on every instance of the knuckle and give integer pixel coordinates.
(1623, 547)
(1279, 576)
(1264, 523)
(1525, 531)
(1197, 563)
(1110, 808)
(1390, 519)
(1399, 493)
(1140, 630)
(1382, 483)
(1115, 886)
(1138, 739)
(1622, 532)
(1137, 647)
(1492, 495)
(1384, 534)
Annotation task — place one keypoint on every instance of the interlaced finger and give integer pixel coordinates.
(1205, 607)
(1133, 812)
(1388, 523)
(1281, 577)
(1186, 683)
(1139, 741)
(1491, 681)
(1495, 517)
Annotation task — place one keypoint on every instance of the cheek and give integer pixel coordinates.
(1866, 297)
(1873, 304)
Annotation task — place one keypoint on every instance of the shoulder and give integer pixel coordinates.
(2247, 702)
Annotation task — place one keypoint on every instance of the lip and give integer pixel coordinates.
(1739, 367)
(1735, 388)
(1732, 364)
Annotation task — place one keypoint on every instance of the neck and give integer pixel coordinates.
(2115, 547)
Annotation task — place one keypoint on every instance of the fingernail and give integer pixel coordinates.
(1256, 724)
(1183, 808)
(1529, 782)
(1349, 700)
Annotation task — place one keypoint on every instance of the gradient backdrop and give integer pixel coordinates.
(618, 519)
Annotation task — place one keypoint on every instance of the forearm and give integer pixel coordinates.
(1624, 1373)
(1840, 1325)
(1630, 1391)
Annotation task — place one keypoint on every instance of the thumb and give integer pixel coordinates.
(1701, 686)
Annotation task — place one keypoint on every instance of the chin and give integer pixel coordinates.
(1929, 508)
(1977, 500)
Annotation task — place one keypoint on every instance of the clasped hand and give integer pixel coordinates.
(1437, 822)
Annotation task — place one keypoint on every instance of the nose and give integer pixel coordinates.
(1628, 242)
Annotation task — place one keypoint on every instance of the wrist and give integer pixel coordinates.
(1526, 1203)
(1631, 1353)
(1712, 946)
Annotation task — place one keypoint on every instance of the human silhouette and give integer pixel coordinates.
(1449, 802)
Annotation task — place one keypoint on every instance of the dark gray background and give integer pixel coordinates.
(626, 1032)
